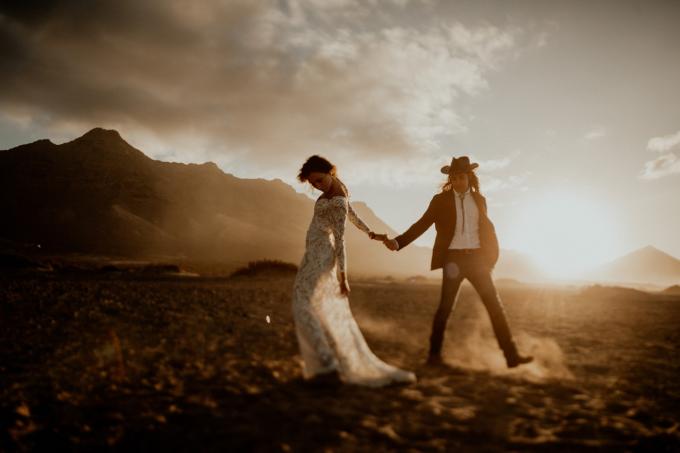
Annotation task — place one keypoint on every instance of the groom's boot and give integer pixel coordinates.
(500, 326)
(434, 359)
(515, 359)
(512, 356)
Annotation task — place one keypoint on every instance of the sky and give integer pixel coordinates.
(572, 109)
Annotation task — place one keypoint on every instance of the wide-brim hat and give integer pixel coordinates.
(459, 165)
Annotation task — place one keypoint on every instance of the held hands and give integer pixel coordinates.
(391, 244)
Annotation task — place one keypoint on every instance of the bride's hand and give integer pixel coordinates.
(344, 288)
(344, 284)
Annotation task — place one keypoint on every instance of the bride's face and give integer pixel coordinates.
(320, 181)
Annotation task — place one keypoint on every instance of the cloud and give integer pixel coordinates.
(491, 184)
(596, 133)
(249, 84)
(662, 144)
(664, 165)
(421, 170)
(492, 165)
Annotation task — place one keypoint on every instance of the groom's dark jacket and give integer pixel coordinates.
(442, 212)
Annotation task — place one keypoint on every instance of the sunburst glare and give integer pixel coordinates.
(566, 231)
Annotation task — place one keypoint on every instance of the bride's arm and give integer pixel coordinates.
(354, 218)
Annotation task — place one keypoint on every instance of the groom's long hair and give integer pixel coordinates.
(472, 177)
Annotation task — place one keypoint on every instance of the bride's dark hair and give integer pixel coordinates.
(315, 164)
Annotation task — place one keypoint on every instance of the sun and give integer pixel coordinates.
(567, 232)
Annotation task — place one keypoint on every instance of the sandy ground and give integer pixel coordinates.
(186, 363)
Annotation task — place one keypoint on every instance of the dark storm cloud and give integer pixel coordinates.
(261, 77)
(80, 59)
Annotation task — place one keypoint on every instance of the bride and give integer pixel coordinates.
(331, 343)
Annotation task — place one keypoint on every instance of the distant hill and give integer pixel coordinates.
(646, 265)
(99, 195)
(672, 290)
(599, 292)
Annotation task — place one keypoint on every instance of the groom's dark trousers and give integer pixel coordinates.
(469, 264)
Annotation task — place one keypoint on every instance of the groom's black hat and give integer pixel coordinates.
(459, 165)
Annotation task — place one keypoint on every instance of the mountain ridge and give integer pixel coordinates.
(99, 194)
(647, 264)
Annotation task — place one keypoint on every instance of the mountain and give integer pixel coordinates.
(645, 265)
(99, 195)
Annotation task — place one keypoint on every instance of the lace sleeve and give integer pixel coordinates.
(354, 218)
(338, 225)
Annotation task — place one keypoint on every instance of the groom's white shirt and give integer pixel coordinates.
(466, 235)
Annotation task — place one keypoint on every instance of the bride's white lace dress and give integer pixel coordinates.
(327, 333)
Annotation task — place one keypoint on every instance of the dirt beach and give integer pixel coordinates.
(92, 361)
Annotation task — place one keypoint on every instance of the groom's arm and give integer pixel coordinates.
(417, 228)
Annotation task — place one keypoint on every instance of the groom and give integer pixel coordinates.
(466, 247)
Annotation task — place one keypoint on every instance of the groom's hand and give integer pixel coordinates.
(391, 244)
